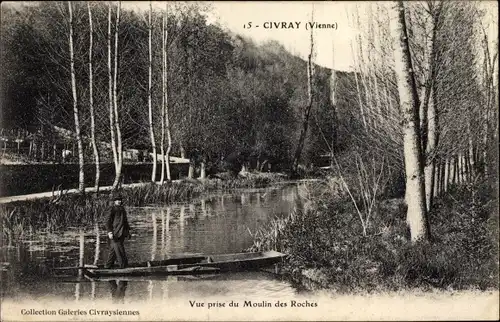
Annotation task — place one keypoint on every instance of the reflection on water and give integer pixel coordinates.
(217, 223)
(118, 289)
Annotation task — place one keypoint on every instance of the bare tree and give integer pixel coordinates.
(81, 177)
(110, 96)
(308, 107)
(91, 103)
(166, 156)
(150, 108)
(119, 143)
(415, 196)
(429, 112)
(333, 102)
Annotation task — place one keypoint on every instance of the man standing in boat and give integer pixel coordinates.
(118, 229)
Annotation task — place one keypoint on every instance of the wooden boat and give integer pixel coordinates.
(191, 265)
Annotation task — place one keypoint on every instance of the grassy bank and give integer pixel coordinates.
(327, 249)
(73, 210)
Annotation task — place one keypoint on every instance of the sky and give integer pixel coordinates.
(234, 15)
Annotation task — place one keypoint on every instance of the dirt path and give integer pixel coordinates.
(41, 195)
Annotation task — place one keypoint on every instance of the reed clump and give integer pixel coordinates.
(71, 210)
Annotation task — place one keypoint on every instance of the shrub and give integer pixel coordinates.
(326, 236)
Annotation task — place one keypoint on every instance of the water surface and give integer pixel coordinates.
(213, 224)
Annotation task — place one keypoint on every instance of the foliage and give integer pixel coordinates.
(463, 253)
(226, 94)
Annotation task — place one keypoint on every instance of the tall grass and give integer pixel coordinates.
(85, 210)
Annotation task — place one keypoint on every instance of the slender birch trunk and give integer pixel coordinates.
(438, 177)
(150, 107)
(91, 104)
(333, 102)
(417, 212)
(450, 172)
(81, 176)
(443, 175)
(97, 242)
(163, 74)
(446, 173)
(119, 145)
(464, 167)
(430, 148)
(428, 109)
(165, 95)
(110, 95)
(454, 174)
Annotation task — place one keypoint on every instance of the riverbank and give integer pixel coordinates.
(73, 209)
(327, 249)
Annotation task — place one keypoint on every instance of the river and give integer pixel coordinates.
(213, 224)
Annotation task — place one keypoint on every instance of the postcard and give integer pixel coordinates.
(249, 161)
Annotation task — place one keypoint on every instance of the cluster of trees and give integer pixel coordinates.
(423, 93)
(164, 80)
(427, 91)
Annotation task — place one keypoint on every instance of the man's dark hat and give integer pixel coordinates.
(117, 197)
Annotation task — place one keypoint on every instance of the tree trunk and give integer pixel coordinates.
(262, 165)
(307, 109)
(81, 177)
(110, 96)
(416, 215)
(163, 74)
(91, 104)
(97, 242)
(438, 177)
(429, 173)
(431, 127)
(447, 174)
(333, 102)
(428, 109)
(203, 174)
(42, 151)
(443, 175)
(191, 170)
(165, 95)
(435, 185)
(150, 107)
(466, 166)
(459, 168)
(119, 147)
